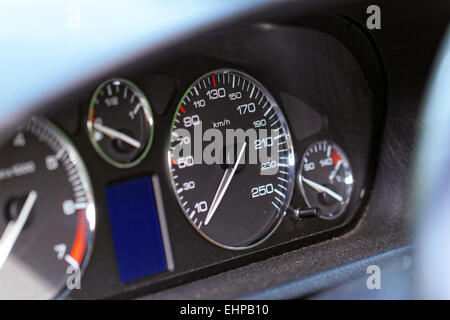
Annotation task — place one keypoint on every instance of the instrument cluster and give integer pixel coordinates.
(244, 145)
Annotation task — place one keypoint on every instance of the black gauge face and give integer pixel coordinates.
(47, 214)
(326, 179)
(120, 123)
(238, 198)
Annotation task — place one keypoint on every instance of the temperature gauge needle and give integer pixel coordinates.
(223, 186)
(335, 171)
(321, 188)
(115, 134)
(14, 227)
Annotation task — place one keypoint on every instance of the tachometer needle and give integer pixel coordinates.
(14, 227)
(223, 186)
(321, 188)
(115, 134)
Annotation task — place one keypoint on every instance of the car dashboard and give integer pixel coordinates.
(130, 186)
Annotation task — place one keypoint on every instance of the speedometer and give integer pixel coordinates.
(231, 159)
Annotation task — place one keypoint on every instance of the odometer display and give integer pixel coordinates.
(235, 203)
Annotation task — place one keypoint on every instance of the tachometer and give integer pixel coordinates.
(47, 214)
(231, 159)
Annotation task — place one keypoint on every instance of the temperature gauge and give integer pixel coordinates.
(120, 123)
(326, 179)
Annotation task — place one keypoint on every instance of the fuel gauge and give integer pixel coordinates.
(326, 179)
(120, 123)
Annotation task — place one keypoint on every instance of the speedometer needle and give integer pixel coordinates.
(14, 227)
(115, 134)
(321, 188)
(223, 186)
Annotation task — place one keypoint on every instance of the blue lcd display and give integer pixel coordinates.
(136, 229)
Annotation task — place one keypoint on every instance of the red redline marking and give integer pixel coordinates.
(182, 109)
(92, 114)
(214, 81)
(335, 157)
(80, 242)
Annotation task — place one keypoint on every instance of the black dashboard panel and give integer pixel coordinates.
(325, 93)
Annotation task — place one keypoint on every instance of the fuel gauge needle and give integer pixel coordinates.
(223, 186)
(115, 134)
(14, 227)
(321, 188)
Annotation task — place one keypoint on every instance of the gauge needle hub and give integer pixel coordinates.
(223, 186)
(321, 188)
(14, 227)
(115, 134)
